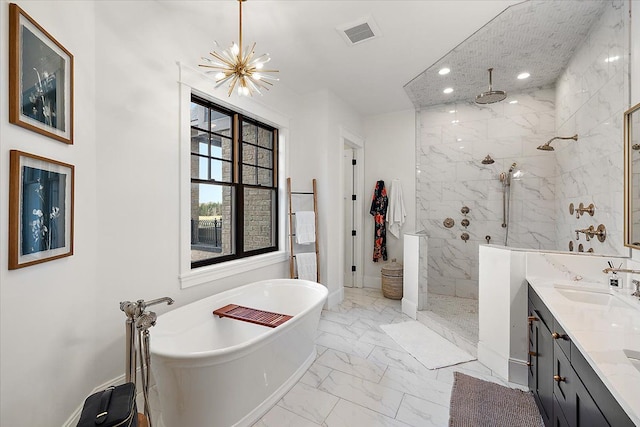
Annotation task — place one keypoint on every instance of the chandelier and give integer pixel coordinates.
(240, 68)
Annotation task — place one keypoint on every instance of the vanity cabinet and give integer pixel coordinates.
(540, 363)
(566, 389)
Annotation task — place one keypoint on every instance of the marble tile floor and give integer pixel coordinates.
(361, 377)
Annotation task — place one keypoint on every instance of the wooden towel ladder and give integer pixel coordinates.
(292, 271)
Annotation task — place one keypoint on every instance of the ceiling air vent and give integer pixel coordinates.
(359, 31)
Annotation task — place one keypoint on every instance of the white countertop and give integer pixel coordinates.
(600, 332)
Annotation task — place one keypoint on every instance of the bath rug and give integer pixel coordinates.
(475, 402)
(425, 345)
(252, 315)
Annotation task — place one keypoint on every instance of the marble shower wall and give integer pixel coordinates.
(452, 140)
(591, 97)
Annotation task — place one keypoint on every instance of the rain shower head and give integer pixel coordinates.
(547, 146)
(488, 160)
(492, 95)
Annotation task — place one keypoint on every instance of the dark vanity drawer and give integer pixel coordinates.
(578, 407)
(561, 338)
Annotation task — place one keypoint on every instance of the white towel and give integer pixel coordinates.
(395, 212)
(305, 227)
(306, 265)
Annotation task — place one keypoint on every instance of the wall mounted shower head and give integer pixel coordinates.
(492, 95)
(488, 160)
(547, 146)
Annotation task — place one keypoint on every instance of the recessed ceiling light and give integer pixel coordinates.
(515, 101)
(452, 111)
(612, 58)
(522, 76)
(455, 121)
(448, 90)
(444, 71)
(459, 139)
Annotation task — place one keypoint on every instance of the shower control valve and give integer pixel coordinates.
(465, 222)
(465, 237)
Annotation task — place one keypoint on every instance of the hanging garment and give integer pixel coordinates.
(379, 211)
(396, 213)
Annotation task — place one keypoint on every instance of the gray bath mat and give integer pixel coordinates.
(475, 402)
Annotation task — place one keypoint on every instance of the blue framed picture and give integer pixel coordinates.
(40, 209)
(40, 79)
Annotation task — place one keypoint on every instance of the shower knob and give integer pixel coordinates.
(571, 209)
(448, 223)
(570, 245)
(464, 210)
(465, 237)
(465, 223)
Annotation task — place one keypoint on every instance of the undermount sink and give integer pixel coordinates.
(633, 356)
(590, 295)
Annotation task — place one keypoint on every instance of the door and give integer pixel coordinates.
(350, 265)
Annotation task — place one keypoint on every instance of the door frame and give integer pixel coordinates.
(356, 143)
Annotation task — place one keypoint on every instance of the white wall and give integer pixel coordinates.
(62, 330)
(389, 154)
(51, 311)
(318, 154)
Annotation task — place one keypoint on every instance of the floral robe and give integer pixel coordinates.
(379, 204)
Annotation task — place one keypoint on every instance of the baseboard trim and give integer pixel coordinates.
(493, 360)
(409, 308)
(335, 298)
(74, 418)
(518, 372)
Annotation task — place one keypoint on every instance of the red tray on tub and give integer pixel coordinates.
(252, 315)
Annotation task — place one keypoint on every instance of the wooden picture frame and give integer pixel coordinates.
(40, 79)
(41, 197)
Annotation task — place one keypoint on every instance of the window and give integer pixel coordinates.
(234, 205)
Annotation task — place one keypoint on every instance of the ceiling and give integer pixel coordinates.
(311, 54)
(538, 37)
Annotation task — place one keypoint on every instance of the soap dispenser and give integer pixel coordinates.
(614, 280)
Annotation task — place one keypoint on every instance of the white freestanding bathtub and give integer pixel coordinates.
(221, 372)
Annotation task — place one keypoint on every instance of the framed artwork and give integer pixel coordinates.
(40, 209)
(40, 79)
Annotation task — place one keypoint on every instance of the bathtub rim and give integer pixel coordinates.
(224, 354)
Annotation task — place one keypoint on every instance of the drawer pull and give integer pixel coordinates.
(559, 379)
(532, 319)
(557, 336)
(533, 353)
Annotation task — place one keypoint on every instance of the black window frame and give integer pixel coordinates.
(236, 182)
